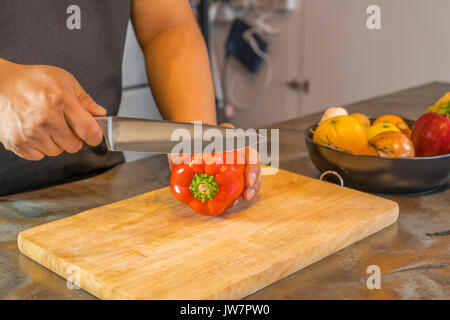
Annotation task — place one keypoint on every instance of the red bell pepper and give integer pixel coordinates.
(208, 183)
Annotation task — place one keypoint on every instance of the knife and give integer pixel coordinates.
(156, 136)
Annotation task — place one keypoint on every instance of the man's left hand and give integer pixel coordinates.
(253, 176)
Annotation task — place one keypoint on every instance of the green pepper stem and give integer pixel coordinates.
(204, 187)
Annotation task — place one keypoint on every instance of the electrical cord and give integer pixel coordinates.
(248, 35)
(229, 100)
(230, 95)
(231, 92)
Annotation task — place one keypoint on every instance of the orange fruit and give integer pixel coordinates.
(363, 119)
(371, 151)
(343, 133)
(379, 127)
(396, 121)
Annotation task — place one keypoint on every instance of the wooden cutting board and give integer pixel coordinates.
(153, 247)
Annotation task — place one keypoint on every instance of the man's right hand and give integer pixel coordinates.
(44, 111)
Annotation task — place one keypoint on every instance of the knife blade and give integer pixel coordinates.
(157, 136)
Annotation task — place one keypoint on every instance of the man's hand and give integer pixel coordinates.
(253, 176)
(44, 111)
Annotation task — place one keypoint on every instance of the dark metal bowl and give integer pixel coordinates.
(381, 175)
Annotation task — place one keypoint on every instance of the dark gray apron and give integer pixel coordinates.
(35, 32)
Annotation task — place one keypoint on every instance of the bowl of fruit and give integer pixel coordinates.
(387, 154)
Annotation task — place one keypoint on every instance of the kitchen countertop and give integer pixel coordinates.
(413, 254)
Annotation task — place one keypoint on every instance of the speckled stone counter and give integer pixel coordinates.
(413, 254)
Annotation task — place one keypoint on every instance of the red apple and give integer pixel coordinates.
(431, 135)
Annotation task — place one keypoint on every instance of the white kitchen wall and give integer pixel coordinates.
(345, 62)
(328, 43)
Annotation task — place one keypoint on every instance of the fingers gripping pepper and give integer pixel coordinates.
(210, 183)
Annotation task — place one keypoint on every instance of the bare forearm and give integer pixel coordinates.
(179, 74)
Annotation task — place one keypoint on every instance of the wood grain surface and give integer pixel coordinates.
(153, 247)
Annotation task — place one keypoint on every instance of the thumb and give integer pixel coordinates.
(85, 99)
